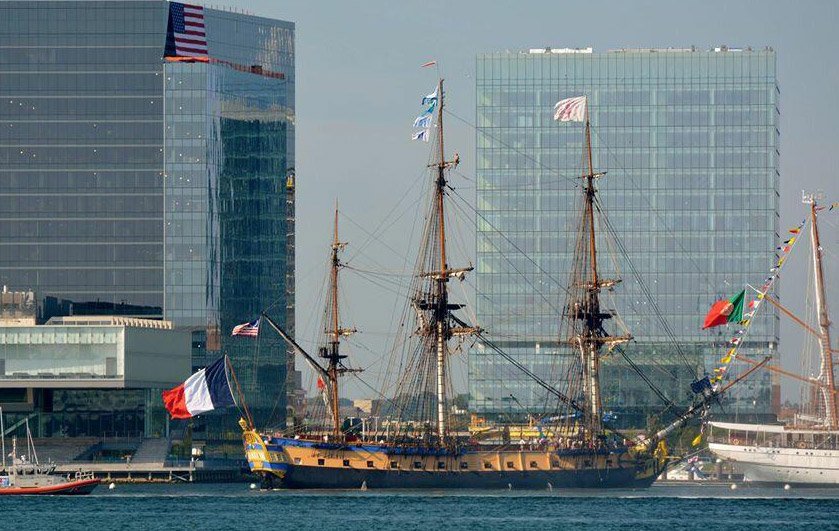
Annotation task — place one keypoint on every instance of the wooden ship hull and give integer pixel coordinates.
(298, 464)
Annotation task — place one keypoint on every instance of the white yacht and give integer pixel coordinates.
(768, 453)
(807, 450)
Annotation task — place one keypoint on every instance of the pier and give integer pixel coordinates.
(146, 461)
(155, 472)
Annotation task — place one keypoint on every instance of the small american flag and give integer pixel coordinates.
(247, 329)
(187, 25)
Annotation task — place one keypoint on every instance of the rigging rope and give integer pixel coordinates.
(664, 324)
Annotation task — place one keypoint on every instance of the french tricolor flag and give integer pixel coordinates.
(204, 391)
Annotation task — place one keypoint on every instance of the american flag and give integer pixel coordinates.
(187, 26)
(247, 329)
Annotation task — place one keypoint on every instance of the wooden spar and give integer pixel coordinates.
(590, 201)
(442, 292)
(783, 372)
(831, 412)
(699, 407)
(239, 391)
(439, 327)
(590, 347)
(791, 315)
(3, 439)
(441, 179)
(334, 357)
(331, 352)
(293, 344)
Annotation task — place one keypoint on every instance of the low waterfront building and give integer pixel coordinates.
(87, 376)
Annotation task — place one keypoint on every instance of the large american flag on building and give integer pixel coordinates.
(187, 35)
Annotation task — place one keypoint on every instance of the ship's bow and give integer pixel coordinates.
(262, 460)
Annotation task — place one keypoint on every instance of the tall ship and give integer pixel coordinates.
(419, 446)
(805, 451)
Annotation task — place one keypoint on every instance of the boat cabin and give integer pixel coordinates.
(772, 436)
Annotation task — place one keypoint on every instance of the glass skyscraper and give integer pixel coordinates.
(690, 142)
(137, 186)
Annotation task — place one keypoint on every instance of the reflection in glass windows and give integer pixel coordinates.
(690, 143)
(134, 186)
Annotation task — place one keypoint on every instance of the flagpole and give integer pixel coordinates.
(229, 365)
(3, 439)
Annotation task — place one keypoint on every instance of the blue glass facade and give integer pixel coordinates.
(133, 185)
(690, 143)
(229, 146)
(81, 151)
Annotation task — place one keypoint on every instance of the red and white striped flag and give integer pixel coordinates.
(247, 329)
(570, 109)
(186, 22)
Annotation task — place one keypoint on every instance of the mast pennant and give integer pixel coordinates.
(571, 109)
(425, 120)
(737, 303)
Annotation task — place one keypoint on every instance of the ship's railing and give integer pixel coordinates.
(81, 476)
(801, 440)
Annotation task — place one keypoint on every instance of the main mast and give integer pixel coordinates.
(829, 389)
(441, 325)
(442, 310)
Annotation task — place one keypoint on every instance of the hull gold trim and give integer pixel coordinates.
(295, 463)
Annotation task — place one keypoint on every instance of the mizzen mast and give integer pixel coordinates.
(826, 375)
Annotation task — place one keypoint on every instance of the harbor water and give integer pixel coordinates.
(236, 506)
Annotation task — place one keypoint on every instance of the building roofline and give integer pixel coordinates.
(589, 50)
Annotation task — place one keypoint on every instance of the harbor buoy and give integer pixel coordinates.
(787, 486)
(253, 486)
(733, 486)
(112, 486)
(509, 486)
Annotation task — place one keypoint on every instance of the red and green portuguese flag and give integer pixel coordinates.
(726, 311)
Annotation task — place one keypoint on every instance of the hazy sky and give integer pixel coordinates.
(358, 83)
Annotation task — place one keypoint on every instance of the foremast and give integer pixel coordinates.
(828, 390)
(328, 376)
(334, 331)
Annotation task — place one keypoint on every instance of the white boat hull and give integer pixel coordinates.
(782, 465)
